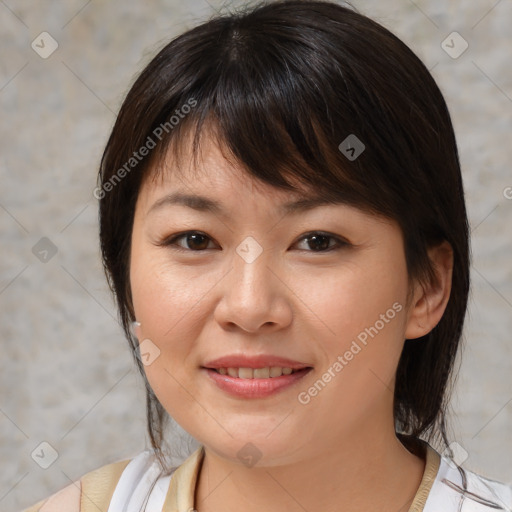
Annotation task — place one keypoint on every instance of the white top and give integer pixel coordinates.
(137, 486)
(459, 490)
(454, 489)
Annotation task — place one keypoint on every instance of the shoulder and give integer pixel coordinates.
(66, 500)
(488, 492)
(92, 491)
(455, 485)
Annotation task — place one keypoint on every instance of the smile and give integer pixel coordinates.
(254, 383)
(256, 373)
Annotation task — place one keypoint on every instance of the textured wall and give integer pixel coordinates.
(66, 375)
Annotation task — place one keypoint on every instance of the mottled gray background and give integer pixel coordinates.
(66, 374)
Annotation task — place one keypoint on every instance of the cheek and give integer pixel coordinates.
(171, 303)
(362, 311)
(159, 296)
(353, 298)
(167, 305)
(165, 302)
(163, 294)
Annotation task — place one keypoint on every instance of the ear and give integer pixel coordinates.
(429, 301)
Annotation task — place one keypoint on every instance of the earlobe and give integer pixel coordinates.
(430, 299)
(135, 329)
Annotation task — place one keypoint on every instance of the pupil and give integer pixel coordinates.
(195, 243)
(315, 241)
(322, 238)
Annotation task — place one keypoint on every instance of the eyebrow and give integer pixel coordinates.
(205, 204)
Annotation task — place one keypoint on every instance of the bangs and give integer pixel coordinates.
(289, 167)
(268, 117)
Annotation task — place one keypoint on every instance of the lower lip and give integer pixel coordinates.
(254, 388)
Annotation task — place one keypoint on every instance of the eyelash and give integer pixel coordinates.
(171, 241)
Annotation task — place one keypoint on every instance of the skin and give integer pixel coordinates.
(296, 301)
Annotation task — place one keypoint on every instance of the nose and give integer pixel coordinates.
(255, 296)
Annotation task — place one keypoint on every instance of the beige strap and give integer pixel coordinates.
(98, 486)
(432, 463)
(180, 495)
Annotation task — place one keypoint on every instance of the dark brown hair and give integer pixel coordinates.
(282, 85)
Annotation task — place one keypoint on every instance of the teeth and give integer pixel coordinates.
(257, 373)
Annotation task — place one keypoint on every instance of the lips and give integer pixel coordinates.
(254, 362)
(241, 388)
(231, 382)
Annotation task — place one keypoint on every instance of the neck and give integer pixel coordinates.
(372, 471)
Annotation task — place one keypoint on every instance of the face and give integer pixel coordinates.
(324, 287)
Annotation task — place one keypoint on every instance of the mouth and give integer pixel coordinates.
(267, 372)
(255, 383)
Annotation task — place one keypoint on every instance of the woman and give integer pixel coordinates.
(282, 222)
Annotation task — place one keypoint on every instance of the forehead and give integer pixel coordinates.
(214, 172)
(212, 180)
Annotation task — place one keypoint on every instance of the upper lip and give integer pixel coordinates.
(261, 361)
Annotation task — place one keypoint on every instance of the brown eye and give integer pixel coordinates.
(195, 240)
(321, 242)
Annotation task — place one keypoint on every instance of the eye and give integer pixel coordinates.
(320, 240)
(197, 241)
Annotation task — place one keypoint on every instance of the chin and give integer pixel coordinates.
(257, 450)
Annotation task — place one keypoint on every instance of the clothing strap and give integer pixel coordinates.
(432, 464)
(98, 487)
